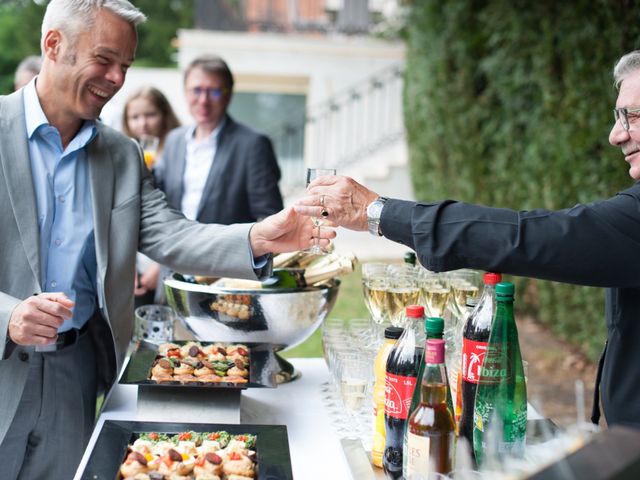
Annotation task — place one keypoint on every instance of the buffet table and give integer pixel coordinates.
(297, 404)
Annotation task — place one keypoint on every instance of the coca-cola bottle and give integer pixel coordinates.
(400, 382)
(475, 336)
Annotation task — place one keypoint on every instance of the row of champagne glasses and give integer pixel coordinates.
(389, 288)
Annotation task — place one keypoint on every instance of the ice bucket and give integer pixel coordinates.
(282, 317)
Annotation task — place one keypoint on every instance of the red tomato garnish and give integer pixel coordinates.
(175, 352)
(184, 436)
(153, 436)
(242, 438)
(234, 456)
(214, 436)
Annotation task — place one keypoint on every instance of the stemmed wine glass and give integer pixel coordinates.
(149, 145)
(355, 374)
(312, 174)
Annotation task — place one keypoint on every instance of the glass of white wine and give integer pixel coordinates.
(464, 284)
(356, 375)
(402, 290)
(149, 145)
(312, 174)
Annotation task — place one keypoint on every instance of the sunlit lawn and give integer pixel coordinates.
(350, 304)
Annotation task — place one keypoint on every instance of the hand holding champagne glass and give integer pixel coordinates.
(149, 145)
(312, 174)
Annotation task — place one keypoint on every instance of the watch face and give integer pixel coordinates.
(374, 209)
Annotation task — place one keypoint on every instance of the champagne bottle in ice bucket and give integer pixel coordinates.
(318, 271)
(502, 392)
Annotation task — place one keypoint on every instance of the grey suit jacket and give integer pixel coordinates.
(129, 215)
(242, 184)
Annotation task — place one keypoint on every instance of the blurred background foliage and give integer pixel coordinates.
(509, 104)
(20, 22)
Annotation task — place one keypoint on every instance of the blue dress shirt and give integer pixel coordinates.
(65, 217)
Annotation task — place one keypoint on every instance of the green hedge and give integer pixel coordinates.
(509, 104)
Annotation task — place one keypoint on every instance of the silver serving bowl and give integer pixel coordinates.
(282, 317)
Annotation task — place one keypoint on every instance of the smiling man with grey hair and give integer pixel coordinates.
(76, 202)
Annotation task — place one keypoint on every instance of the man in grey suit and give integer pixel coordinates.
(76, 202)
(594, 244)
(218, 170)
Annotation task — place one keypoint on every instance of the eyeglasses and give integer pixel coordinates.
(211, 93)
(622, 114)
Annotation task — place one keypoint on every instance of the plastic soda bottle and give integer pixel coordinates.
(391, 335)
(400, 382)
(501, 397)
(475, 336)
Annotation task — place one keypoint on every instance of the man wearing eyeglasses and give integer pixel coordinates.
(218, 170)
(596, 244)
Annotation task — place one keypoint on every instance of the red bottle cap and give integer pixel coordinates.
(491, 278)
(415, 311)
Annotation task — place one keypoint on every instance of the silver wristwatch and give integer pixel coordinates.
(374, 211)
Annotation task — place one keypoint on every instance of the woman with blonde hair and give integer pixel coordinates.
(148, 113)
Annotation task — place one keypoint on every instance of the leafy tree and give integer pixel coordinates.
(157, 42)
(19, 36)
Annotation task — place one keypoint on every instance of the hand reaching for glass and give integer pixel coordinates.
(343, 199)
(287, 231)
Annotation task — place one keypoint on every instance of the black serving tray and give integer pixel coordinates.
(272, 447)
(263, 367)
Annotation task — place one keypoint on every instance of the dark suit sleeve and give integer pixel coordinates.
(595, 244)
(264, 174)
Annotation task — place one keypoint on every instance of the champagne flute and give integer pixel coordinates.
(149, 145)
(356, 375)
(312, 174)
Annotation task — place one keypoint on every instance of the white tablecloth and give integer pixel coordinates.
(316, 452)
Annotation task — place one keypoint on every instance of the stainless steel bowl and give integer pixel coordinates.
(282, 317)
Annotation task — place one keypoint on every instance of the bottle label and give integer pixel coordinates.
(496, 367)
(473, 354)
(417, 456)
(398, 391)
(513, 422)
(458, 396)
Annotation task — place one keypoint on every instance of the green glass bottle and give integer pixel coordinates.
(410, 258)
(502, 391)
